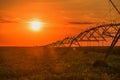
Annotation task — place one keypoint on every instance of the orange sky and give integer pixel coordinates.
(56, 14)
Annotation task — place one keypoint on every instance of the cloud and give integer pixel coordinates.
(77, 22)
(7, 20)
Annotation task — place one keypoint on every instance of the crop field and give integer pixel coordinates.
(46, 63)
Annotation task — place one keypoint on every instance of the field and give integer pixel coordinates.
(43, 63)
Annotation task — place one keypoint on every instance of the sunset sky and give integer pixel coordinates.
(56, 16)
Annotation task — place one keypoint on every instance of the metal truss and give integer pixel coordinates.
(115, 40)
(99, 33)
(54, 44)
(95, 34)
(62, 43)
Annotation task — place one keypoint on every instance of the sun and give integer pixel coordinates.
(36, 25)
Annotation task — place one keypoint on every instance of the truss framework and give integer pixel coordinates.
(98, 33)
(95, 34)
(62, 43)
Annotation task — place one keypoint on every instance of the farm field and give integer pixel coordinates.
(46, 63)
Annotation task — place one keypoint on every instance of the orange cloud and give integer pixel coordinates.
(7, 20)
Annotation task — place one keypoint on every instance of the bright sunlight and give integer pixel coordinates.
(36, 25)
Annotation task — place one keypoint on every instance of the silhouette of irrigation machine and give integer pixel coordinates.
(95, 34)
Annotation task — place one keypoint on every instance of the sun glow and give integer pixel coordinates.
(36, 25)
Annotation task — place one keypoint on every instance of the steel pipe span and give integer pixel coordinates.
(94, 34)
